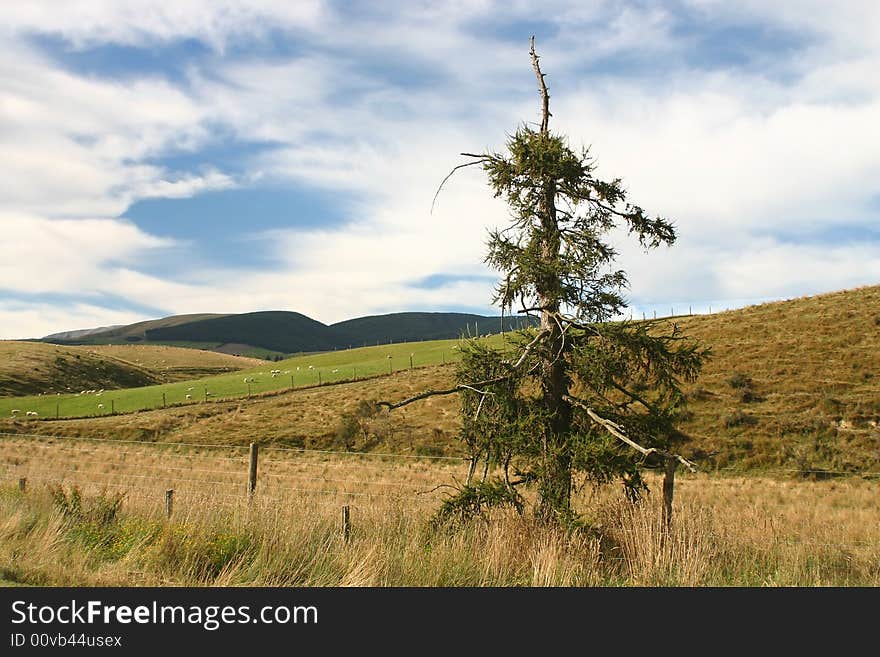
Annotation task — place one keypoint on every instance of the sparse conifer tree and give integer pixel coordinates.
(583, 392)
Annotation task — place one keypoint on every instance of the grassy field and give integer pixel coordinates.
(301, 371)
(729, 530)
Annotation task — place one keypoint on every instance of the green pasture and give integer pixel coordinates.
(298, 372)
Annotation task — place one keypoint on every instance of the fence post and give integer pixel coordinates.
(668, 491)
(22, 484)
(112, 407)
(169, 502)
(346, 523)
(252, 471)
(164, 404)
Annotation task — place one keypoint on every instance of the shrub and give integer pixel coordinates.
(740, 419)
(747, 395)
(739, 380)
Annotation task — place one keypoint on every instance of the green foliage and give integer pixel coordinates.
(102, 510)
(528, 412)
(475, 500)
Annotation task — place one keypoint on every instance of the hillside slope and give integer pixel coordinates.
(792, 385)
(30, 368)
(33, 368)
(412, 327)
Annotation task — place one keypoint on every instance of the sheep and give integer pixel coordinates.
(190, 389)
(100, 405)
(16, 411)
(189, 396)
(335, 371)
(31, 414)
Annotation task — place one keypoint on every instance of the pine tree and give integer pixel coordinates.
(582, 393)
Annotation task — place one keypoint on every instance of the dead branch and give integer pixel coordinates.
(545, 96)
(480, 160)
(617, 431)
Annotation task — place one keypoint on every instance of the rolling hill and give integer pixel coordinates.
(277, 333)
(793, 385)
(35, 368)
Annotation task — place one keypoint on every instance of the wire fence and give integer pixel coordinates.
(209, 468)
(205, 475)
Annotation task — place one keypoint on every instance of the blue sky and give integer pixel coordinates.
(219, 156)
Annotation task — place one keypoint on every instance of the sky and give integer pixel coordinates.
(220, 156)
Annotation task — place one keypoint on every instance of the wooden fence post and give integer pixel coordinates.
(163, 401)
(169, 502)
(112, 407)
(22, 484)
(668, 491)
(252, 472)
(346, 523)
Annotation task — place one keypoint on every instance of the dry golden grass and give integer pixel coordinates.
(175, 363)
(735, 531)
(39, 368)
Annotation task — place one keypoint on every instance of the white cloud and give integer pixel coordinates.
(28, 320)
(732, 156)
(73, 256)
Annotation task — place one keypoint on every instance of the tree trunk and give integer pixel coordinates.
(554, 487)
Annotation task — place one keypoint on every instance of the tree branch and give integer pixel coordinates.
(468, 386)
(545, 97)
(616, 431)
(482, 159)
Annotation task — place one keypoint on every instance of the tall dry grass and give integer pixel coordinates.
(299, 542)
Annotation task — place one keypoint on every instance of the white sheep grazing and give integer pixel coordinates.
(190, 389)
(15, 411)
(31, 414)
(335, 371)
(189, 396)
(100, 405)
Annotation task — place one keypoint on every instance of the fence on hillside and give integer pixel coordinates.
(171, 474)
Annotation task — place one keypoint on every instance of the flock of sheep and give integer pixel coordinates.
(98, 393)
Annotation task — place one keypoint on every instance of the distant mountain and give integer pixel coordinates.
(284, 332)
(409, 327)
